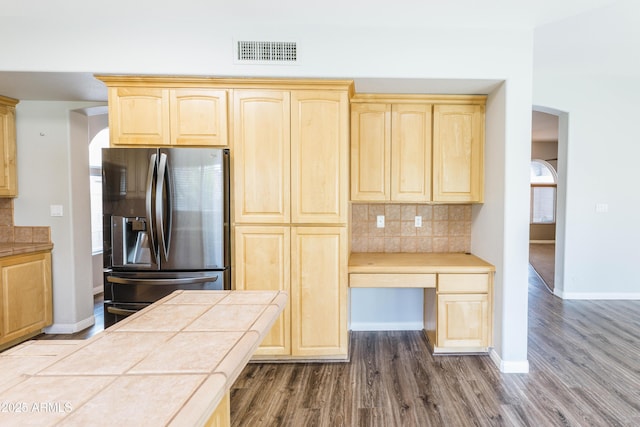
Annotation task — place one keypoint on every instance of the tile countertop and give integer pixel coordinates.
(169, 364)
(378, 262)
(8, 249)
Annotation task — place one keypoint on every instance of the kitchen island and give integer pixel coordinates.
(172, 363)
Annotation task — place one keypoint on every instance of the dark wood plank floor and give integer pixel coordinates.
(584, 371)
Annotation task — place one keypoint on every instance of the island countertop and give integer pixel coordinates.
(169, 364)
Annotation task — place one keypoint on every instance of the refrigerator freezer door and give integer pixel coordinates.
(128, 239)
(197, 190)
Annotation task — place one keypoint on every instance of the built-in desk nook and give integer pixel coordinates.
(458, 293)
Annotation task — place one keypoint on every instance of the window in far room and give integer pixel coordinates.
(100, 141)
(543, 192)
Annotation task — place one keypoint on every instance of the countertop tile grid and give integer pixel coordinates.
(170, 363)
(164, 396)
(208, 350)
(170, 317)
(108, 354)
(45, 401)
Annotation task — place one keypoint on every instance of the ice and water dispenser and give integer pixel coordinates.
(130, 241)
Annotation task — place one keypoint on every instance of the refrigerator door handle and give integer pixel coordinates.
(182, 281)
(149, 206)
(163, 205)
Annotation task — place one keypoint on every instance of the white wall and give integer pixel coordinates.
(599, 147)
(53, 171)
(602, 152)
(436, 60)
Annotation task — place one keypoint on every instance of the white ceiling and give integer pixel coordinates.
(81, 86)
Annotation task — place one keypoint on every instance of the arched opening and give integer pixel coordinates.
(548, 195)
(100, 141)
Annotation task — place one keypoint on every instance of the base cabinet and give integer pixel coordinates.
(25, 296)
(319, 292)
(458, 313)
(221, 417)
(463, 320)
(310, 263)
(262, 262)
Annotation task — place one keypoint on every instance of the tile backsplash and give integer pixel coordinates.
(10, 233)
(445, 228)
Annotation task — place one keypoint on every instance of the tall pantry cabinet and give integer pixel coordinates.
(290, 150)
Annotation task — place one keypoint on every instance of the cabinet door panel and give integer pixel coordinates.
(319, 156)
(261, 156)
(458, 153)
(262, 262)
(139, 116)
(319, 291)
(411, 152)
(463, 320)
(198, 117)
(8, 175)
(26, 295)
(370, 152)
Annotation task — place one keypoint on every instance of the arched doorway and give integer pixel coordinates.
(553, 125)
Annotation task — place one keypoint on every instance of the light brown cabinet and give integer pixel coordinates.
(262, 262)
(290, 185)
(458, 153)
(25, 296)
(8, 173)
(160, 116)
(319, 292)
(458, 293)
(463, 313)
(290, 156)
(262, 156)
(417, 149)
(221, 416)
(391, 152)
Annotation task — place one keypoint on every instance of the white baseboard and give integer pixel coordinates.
(70, 328)
(507, 366)
(631, 296)
(386, 326)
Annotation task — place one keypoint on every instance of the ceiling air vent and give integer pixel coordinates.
(266, 52)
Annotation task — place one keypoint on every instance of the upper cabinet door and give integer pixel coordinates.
(411, 152)
(8, 173)
(319, 156)
(139, 116)
(261, 159)
(458, 153)
(198, 117)
(370, 152)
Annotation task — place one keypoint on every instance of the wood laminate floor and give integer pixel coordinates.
(584, 371)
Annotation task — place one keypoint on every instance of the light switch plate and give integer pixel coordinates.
(418, 221)
(380, 221)
(56, 210)
(602, 208)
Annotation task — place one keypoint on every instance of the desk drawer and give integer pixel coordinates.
(463, 283)
(396, 280)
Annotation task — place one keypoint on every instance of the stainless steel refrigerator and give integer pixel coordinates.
(166, 224)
